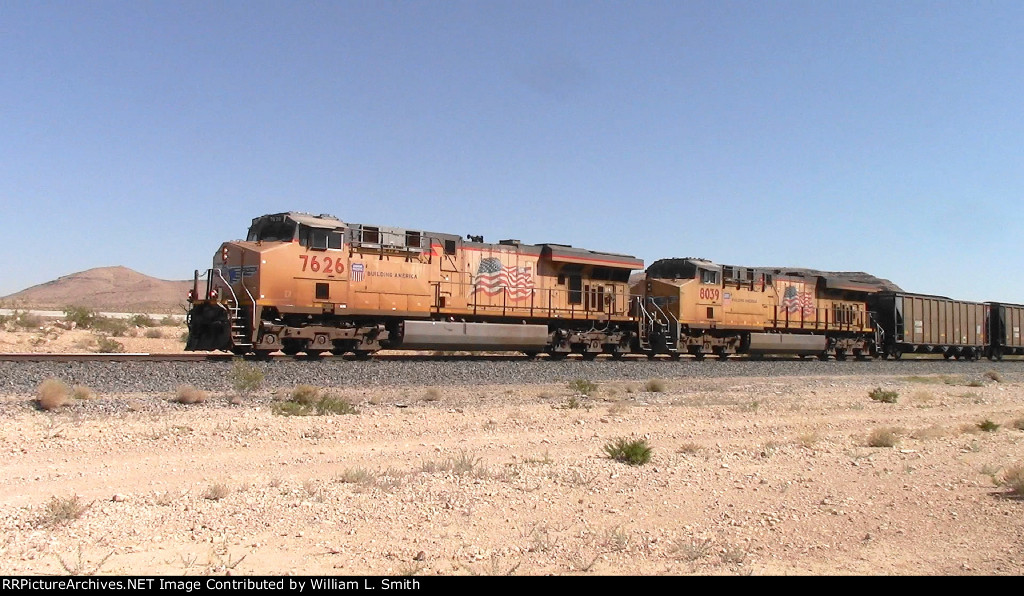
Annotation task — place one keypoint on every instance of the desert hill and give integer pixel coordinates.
(111, 289)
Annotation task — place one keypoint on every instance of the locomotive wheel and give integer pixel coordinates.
(263, 354)
(698, 353)
(675, 356)
(823, 356)
(557, 356)
(590, 356)
(530, 355)
(312, 354)
(897, 354)
(292, 347)
(618, 355)
(723, 356)
(996, 354)
(363, 354)
(840, 354)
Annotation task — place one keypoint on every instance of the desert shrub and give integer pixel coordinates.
(307, 400)
(1013, 478)
(52, 394)
(26, 320)
(1018, 424)
(884, 437)
(988, 426)
(108, 345)
(187, 394)
(689, 449)
(82, 392)
(81, 316)
(884, 396)
(306, 395)
(583, 386)
(169, 321)
(154, 333)
(110, 325)
(464, 463)
(61, 511)
(217, 491)
(654, 386)
(432, 394)
(993, 375)
(355, 476)
(330, 404)
(634, 452)
(245, 377)
(141, 320)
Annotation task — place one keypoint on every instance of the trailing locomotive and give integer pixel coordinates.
(698, 307)
(302, 283)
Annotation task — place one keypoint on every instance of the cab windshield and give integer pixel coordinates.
(272, 231)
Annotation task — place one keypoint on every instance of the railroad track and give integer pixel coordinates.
(385, 357)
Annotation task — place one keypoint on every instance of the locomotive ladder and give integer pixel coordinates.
(240, 333)
(239, 330)
(656, 320)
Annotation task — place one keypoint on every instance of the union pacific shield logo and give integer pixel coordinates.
(356, 272)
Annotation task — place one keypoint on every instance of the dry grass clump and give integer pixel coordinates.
(993, 375)
(1019, 423)
(1013, 478)
(154, 333)
(52, 394)
(356, 476)
(689, 449)
(583, 387)
(808, 439)
(465, 463)
(932, 432)
(432, 394)
(884, 437)
(987, 426)
(60, 511)
(307, 400)
(618, 408)
(82, 392)
(655, 386)
(217, 491)
(306, 395)
(883, 395)
(187, 394)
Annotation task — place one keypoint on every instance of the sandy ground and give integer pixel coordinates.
(49, 338)
(747, 476)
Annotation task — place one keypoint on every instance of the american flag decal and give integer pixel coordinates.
(794, 300)
(492, 278)
(356, 272)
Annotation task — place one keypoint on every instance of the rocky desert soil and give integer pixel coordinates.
(748, 475)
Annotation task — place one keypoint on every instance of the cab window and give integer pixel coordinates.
(319, 238)
(272, 231)
(708, 277)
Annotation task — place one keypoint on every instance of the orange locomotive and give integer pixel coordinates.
(305, 283)
(698, 307)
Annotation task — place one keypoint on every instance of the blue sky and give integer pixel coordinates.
(847, 135)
